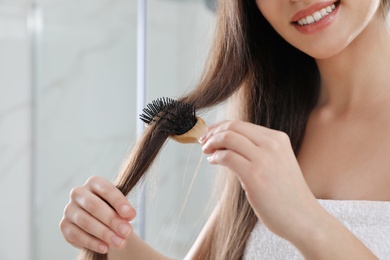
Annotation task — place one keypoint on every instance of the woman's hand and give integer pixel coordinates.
(266, 166)
(97, 216)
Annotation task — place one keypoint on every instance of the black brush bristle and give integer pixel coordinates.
(174, 117)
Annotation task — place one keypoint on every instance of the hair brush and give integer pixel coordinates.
(176, 118)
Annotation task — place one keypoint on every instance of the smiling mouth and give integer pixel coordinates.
(317, 15)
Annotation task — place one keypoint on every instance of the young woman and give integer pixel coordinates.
(307, 158)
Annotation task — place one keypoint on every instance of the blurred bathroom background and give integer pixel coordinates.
(68, 76)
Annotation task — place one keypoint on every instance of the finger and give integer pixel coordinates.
(244, 170)
(215, 125)
(101, 211)
(234, 161)
(259, 135)
(80, 239)
(94, 227)
(237, 125)
(210, 130)
(107, 191)
(231, 141)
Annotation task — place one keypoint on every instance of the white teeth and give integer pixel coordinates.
(316, 16)
(302, 21)
(310, 19)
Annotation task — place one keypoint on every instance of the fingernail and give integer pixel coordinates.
(117, 241)
(124, 209)
(102, 249)
(210, 159)
(202, 139)
(124, 229)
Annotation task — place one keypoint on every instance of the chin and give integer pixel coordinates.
(323, 55)
(324, 52)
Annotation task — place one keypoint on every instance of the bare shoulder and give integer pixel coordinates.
(346, 156)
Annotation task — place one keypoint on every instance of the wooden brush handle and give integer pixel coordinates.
(194, 134)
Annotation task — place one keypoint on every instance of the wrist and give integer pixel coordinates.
(322, 236)
(311, 233)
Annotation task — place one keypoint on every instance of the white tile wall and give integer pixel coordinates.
(86, 90)
(15, 131)
(85, 116)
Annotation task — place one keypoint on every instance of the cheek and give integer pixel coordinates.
(269, 9)
(273, 11)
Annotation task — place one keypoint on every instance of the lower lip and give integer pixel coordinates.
(318, 26)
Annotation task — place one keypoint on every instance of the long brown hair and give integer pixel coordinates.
(277, 87)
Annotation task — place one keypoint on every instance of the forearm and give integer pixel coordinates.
(135, 248)
(329, 239)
